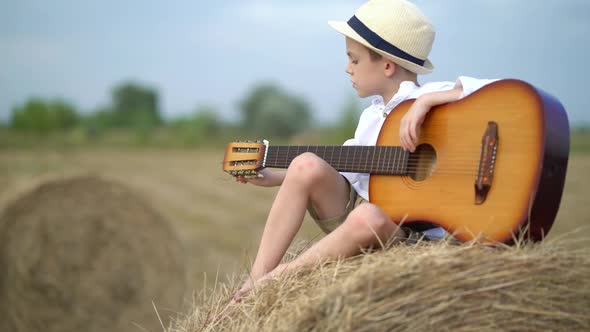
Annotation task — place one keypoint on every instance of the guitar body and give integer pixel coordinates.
(528, 172)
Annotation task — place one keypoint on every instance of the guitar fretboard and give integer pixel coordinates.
(391, 160)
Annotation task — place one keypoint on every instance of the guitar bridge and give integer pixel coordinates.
(487, 160)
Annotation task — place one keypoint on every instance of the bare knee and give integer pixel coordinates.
(308, 169)
(367, 221)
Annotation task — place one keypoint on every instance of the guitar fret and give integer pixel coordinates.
(331, 155)
(362, 159)
(406, 157)
(341, 150)
(395, 161)
(390, 160)
(403, 156)
(355, 157)
(368, 152)
(387, 161)
(345, 166)
(378, 158)
(374, 148)
(400, 162)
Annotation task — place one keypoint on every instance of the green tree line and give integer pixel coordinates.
(266, 111)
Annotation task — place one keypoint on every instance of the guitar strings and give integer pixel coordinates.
(390, 161)
(398, 171)
(387, 161)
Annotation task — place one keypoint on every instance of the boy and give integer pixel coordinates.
(387, 43)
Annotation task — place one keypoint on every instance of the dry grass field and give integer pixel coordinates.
(217, 220)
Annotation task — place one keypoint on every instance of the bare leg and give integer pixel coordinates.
(308, 178)
(367, 225)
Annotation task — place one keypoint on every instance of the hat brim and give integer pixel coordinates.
(346, 30)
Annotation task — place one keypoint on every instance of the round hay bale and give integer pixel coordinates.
(87, 254)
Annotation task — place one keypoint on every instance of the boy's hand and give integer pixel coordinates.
(410, 124)
(268, 179)
(409, 129)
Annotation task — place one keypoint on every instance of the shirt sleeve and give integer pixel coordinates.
(470, 84)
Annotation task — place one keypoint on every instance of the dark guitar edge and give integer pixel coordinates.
(554, 167)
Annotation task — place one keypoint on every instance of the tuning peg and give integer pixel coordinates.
(253, 174)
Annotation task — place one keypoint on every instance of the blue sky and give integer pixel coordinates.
(213, 52)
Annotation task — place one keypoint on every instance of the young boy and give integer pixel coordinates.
(387, 43)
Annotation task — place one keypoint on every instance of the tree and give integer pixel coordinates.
(349, 119)
(198, 127)
(41, 116)
(271, 112)
(135, 106)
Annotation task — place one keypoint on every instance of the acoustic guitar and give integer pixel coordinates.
(490, 166)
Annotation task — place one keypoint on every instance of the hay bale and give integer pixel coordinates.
(86, 254)
(431, 286)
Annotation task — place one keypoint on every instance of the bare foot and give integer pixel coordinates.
(250, 283)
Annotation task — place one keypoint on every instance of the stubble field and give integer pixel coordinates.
(217, 220)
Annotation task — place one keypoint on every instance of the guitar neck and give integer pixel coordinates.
(391, 160)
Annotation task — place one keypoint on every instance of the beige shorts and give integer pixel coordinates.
(354, 200)
(328, 225)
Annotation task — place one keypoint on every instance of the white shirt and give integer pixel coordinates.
(374, 116)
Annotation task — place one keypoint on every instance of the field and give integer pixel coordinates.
(217, 220)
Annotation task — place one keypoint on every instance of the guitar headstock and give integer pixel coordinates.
(245, 158)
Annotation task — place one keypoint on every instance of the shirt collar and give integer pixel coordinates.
(406, 88)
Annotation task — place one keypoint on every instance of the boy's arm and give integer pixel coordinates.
(412, 120)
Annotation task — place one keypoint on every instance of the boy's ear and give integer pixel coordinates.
(389, 67)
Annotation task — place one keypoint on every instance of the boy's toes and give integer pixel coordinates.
(237, 297)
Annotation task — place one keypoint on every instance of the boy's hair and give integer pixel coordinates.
(376, 57)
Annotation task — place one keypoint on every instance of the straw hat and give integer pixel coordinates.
(395, 29)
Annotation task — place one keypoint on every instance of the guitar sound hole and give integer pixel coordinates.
(421, 162)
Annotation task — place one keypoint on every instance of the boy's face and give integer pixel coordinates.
(368, 76)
